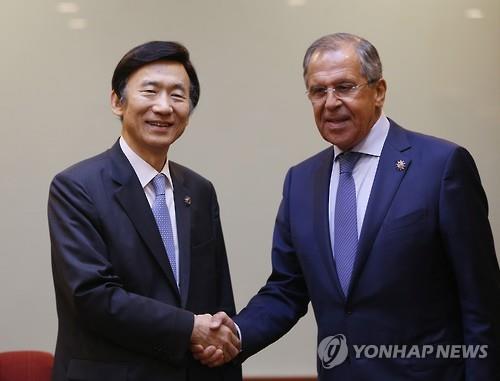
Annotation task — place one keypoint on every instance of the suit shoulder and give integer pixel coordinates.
(425, 141)
(85, 169)
(428, 147)
(432, 141)
(189, 175)
(315, 160)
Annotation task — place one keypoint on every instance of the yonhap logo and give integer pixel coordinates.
(332, 351)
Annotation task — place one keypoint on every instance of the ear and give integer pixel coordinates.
(116, 104)
(380, 90)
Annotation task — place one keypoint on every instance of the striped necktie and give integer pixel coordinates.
(346, 222)
(162, 217)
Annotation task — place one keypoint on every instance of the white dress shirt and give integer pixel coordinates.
(145, 173)
(363, 173)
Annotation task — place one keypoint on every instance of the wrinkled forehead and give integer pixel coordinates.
(333, 62)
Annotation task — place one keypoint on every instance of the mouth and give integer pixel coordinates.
(161, 124)
(337, 119)
(336, 123)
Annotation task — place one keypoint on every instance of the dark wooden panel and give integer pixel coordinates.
(279, 378)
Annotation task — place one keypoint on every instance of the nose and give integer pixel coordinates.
(332, 100)
(162, 104)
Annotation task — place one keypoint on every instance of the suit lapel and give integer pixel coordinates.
(321, 216)
(182, 199)
(385, 185)
(132, 199)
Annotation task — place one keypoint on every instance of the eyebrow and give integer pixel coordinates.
(149, 83)
(176, 86)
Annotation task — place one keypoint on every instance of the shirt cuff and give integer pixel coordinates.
(239, 336)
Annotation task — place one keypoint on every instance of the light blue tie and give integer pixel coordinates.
(346, 221)
(162, 217)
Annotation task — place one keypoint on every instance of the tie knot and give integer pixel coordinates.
(347, 161)
(159, 184)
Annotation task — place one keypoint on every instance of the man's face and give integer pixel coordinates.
(344, 122)
(155, 109)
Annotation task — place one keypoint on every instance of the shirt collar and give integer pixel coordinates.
(144, 171)
(373, 143)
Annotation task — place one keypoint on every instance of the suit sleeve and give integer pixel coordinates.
(284, 299)
(225, 299)
(92, 295)
(469, 244)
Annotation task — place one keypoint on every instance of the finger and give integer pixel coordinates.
(230, 352)
(235, 341)
(228, 337)
(217, 359)
(206, 354)
(217, 356)
(197, 348)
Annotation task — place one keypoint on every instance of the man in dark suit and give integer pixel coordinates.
(138, 255)
(386, 233)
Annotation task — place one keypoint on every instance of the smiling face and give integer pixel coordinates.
(155, 109)
(344, 122)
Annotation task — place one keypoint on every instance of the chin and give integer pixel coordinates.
(332, 139)
(159, 144)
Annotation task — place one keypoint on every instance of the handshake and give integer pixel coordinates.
(214, 340)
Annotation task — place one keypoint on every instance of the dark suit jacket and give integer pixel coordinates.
(121, 315)
(425, 273)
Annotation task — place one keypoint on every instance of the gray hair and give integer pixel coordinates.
(371, 67)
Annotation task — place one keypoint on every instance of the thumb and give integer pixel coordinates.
(217, 320)
(221, 318)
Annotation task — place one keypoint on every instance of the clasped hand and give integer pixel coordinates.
(214, 340)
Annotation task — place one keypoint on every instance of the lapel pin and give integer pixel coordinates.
(187, 200)
(400, 165)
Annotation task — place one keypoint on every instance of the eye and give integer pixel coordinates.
(177, 96)
(148, 91)
(344, 88)
(315, 91)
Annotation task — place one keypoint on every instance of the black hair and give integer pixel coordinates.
(151, 52)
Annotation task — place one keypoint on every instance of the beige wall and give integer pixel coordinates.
(253, 121)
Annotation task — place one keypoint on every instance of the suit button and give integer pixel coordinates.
(348, 311)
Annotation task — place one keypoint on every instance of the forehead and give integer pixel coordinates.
(333, 66)
(161, 73)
